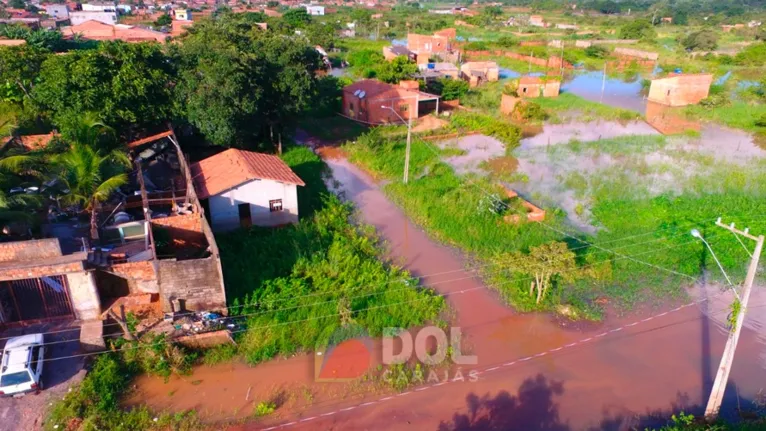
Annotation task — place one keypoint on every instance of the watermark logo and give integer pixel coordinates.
(348, 353)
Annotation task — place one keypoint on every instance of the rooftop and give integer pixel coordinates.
(234, 167)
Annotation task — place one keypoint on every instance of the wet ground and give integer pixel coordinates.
(572, 379)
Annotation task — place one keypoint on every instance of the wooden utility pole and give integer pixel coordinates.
(719, 385)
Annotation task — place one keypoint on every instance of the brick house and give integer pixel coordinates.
(370, 101)
(534, 86)
(245, 188)
(391, 52)
(680, 90)
(440, 43)
(537, 21)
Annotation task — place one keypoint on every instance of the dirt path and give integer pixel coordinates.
(556, 378)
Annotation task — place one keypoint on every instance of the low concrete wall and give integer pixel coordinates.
(197, 282)
(84, 295)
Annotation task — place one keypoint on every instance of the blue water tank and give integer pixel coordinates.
(678, 70)
(432, 65)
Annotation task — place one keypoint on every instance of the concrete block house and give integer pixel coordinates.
(373, 102)
(244, 188)
(680, 90)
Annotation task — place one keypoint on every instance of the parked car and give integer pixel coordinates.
(22, 365)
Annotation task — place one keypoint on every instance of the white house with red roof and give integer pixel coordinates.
(243, 188)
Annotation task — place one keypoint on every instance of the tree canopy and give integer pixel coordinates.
(703, 40)
(127, 84)
(236, 82)
(638, 29)
(398, 69)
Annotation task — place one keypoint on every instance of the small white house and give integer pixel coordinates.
(244, 188)
(79, 17)
(313, 9)
(99, 7)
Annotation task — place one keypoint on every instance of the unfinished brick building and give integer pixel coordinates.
(153, 245)
(680, 90)
(534, 86)
(479, 72)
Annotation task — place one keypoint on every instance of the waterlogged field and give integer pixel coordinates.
(622, 186)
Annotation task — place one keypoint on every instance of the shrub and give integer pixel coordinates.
(752, 55)
(715, 100)
(703, 40)
(506, 132)
(265, 408)
(638, 29)
(507, 42)
(597, 51)
(529, 110)
(761, 121)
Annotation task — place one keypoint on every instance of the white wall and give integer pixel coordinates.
(87, 7)
(315, 10)
(224, 208)
(80, 17)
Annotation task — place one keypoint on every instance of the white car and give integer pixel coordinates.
(21, 366)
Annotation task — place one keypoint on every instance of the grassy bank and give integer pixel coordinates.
(738, 114)
(586, 110)
(300, 283)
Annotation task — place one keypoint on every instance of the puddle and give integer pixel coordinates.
(339, 72)
(626, 95)
(554, 134)
(722, 80)
(476, 149)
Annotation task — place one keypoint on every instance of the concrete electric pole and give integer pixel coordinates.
(719, 385)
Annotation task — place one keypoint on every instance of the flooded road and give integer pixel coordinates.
(534, 373)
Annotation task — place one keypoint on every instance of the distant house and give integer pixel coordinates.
(479, 72)
(680, 90)
(536, 21)
(79, 17)
(373, 101)
(566, 26)
(430, 71)
(667, 20)
(99, 7)
(244, 188)
(57, 11)
(428, 44)
(313, 9)
(95, 30)
(182, 14)
(631, 53)
(533, 86)
(391, 52)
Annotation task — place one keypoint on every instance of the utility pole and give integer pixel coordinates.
(719, 385)
(409, 133)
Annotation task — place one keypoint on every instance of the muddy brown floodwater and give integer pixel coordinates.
(577, 382)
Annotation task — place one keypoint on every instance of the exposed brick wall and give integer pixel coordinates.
(636, 53)
(197, 281)
(508, 104)
(422, 44)
(553, 62)
(141, 276)
(41, 271)
(185, 232)
(29, 250)
(449, 33)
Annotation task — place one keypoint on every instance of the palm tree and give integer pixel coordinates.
(90, 177)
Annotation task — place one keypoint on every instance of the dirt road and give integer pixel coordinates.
(534, 374)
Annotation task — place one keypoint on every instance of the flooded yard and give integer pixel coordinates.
(570, 166)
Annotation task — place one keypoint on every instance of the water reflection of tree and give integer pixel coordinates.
(532, 408)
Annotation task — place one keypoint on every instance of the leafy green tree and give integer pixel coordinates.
(297, 18)
(163, 20)
(493, 12)
(321, 34)
(638, 29)
(17, 4)
(127, 84)
(19, 67)
(398, 69)
(40, 38)
(507, 41)
(448, 89)
(547, 264)
(703, 40)
(237, 85)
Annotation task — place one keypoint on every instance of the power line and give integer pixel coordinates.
(356, 296)
(364, 309)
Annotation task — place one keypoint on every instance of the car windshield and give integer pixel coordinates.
(16, 378)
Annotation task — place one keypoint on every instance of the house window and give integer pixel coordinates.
(275, 205)
(668, 92)
(404, 107)
(524, 90)
(245, 220)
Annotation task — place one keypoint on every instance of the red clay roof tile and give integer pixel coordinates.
(233, 167)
